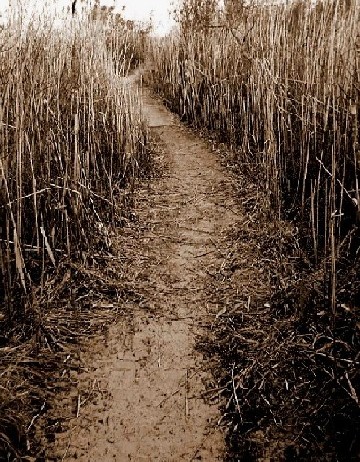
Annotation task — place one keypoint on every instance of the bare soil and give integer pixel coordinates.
(141, 395)
(207, 360)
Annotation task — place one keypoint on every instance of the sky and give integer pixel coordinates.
(139, 10)
(142, 9)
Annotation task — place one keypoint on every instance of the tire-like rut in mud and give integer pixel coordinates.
(151, 376)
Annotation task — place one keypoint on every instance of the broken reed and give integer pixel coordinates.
(71, 137)
(281, 85)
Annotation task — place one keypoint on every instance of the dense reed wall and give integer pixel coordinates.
(72, 143)
(71, 137)
(280, 84)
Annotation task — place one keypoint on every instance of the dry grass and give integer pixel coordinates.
(279, 85)
(72, 143)
(71, 138)
(287, 377)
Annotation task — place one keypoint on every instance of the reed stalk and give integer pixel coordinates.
(72, 137)
(278, 82)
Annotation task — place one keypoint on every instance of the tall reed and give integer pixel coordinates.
(71, 137)
(279, 83)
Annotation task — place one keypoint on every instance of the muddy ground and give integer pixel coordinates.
(142, 395)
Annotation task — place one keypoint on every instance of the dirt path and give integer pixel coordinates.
(148, 380)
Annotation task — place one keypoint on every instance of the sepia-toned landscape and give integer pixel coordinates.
(179, 233)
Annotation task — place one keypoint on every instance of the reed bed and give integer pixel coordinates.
(279, 84)
(71, 137)
(72, 143)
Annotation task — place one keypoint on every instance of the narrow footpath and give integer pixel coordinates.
(149, 379)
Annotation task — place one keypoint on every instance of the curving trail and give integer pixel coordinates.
(149, 379)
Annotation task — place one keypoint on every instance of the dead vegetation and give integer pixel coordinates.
(278, 84)
(72, 144)
(287, 377)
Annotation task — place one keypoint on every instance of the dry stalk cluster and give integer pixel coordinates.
(279, 83)
(288, 378)
(72, 143)
(71, 138)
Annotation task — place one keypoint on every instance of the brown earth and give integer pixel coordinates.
(141, 394)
